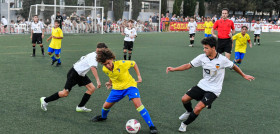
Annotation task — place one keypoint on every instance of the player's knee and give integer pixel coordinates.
(185, 99)
(124, 51)
(91, 90)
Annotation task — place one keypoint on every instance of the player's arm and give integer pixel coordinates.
(138, 73)
(43, 33)
(31, 34)
(250, 43)
(239, 71)
(49, 38)
(213, 32)
(180, 68)
(57, 37)
(95, 74)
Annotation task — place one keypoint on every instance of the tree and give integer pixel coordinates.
(105, 4)
(136, 8)
(177, 7)
(163, 6)
(201, 11)
(24, 12)
(118, 9)
(189, 7)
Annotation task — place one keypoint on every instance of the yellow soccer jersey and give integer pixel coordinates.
(208, 26)
(120, 76)
(56, 43)
(241, 42)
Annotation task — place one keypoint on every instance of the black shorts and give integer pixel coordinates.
(37, 38)
(224, 45)
(128, 45)
(200, 95)
(192, 35)
(74, 78)
(5, 26)
(257, 35)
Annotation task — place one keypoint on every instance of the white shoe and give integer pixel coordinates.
(190, 45)
(82, 109)
(184, 116)
(43, 103)
(183, 127)
(254, 44)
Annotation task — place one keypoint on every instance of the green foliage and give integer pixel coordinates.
(118, 8)
(189, 7)
(163, 6)
(177, 7)
(201, 10)
(136, 8)
(105, 4)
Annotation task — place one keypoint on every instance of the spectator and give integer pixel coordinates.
(64, 16)
(275, 21)
(73, 16)
(174, 18)
(269, 20)
(155, 21)
(233, 18)
(278, 22)
(5, 23)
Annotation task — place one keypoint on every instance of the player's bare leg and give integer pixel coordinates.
(145, 114)
(227, 55)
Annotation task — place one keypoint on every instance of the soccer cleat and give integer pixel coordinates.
(153, 130)
(254, 44)
(82, 109)
(98, 118)
(259, 44)
(190, 45)
(58, 64)
(53, 61)
(43, 103)
(183, 127)
(184, 116)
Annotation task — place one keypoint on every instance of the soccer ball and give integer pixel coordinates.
(132, 126)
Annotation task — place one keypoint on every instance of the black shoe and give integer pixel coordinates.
(153, 130)
(98, 118)
(53, 61)
(33, 55)
(58, 64)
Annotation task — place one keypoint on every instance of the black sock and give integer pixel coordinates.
(191, 118)
(34, 49)
(42, 49)
(129, 56)
(258, 40)
(53, 97)
(188, 106)
(124, 55)
(255, 40)
(192, 41)
(84, 100)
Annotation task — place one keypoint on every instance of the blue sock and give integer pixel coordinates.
(52, 56)
(58, 59)
(145, 114)
(105, 112)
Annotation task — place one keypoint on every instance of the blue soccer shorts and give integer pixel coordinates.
(239, 55)
(117, 95)
(56, 51)
(207, 35)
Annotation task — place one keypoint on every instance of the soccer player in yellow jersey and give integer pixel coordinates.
(208, 26)
(55, 45)
(241, 44)
(123, 84)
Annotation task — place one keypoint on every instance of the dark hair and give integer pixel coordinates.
(244, 26)
(211, 41)
(257, 20)
(225, 9)
(101, 45)
(131, 21)
(57, 21)
(35, 15)
(58, 12)
(105, 54)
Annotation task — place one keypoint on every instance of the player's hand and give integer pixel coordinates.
(43, 36)
(30, 37)
(98, 84)
(48, 39)
(139, 79)
(248, 77)
(171, 69)
(230, 35)
(251, 45)
(123, 34)
(131, 37)
(108, 85)
(214, 35)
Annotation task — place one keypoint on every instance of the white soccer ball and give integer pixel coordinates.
(132, 126)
